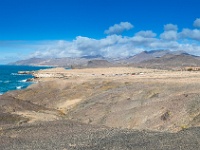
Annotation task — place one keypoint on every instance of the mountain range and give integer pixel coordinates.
(157, 59)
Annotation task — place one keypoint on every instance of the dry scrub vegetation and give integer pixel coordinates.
(131, 98)
(104, 108)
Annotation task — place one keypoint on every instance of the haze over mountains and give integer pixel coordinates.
(158, 59)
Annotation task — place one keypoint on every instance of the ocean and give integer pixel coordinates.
(11, 80)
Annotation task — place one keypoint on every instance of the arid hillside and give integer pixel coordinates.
(98, 108)
(120, 97)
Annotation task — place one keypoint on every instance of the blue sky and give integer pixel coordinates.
(113, 28)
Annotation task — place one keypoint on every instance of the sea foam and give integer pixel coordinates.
(16, 74)
(18, 87)
(25, 80)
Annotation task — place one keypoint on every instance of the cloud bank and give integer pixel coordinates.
(115, 45)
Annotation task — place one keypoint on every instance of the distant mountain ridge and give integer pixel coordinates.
(148, 55)
(163, 59)
(159, 59)
(78, 62)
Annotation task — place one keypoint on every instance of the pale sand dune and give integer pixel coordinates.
(39, 116)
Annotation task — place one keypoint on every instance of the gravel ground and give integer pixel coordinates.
(121, 98)
(68, 135)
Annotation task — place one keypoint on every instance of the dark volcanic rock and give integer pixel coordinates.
(98, 63)
(30, 80)
(68, 135)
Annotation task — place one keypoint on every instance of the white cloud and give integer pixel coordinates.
(60, 48)
(170, 27)
(170, 35)
(147, 34)
(193, 34)
(197, 23)
(119, 28)
(110, 46)
(170, 32)
(122, 46)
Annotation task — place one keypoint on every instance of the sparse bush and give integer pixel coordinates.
(165, 116)
(189, 69)
(61, 112)
(184, 127)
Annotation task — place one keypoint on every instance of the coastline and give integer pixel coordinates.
(11, 78)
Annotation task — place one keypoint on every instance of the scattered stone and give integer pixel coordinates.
(165, 116)
(30, 80)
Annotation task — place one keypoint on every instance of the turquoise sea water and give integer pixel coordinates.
(11, 80)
